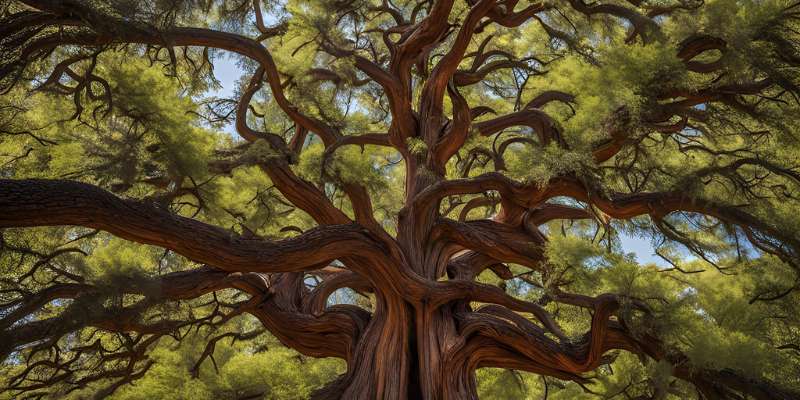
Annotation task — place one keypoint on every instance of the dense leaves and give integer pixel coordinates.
(401, 199)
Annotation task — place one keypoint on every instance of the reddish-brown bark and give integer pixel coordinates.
(424, 337)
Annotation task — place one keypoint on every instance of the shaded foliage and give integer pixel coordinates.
(432, 192)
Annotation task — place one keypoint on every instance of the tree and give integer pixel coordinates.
(402, 152)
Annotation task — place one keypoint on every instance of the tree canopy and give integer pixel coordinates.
(418, 199)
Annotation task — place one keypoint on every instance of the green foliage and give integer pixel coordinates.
(539, 165)
(709, 316)
(626, 76)
(237, 371)
(150, 142)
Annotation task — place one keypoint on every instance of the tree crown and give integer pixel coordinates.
(460, 171)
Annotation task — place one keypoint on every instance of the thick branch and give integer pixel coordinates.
(52, 202)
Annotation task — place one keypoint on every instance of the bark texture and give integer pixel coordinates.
(432, 325)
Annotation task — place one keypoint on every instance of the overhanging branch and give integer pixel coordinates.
(53, 202)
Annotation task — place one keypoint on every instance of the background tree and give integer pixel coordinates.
(459, 170)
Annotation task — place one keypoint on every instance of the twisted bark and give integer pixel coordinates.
(431, 325)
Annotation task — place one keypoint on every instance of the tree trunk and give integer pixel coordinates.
(407, 353)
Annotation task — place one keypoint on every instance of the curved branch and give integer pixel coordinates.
(51, 202)
(570, 359)
(174, 286)
(541, 123)
(499, 241)
(315, 302)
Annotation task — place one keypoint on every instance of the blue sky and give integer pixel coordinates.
(227, 72)
(645, 253)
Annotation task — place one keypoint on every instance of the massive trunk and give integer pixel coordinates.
(407, 353)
